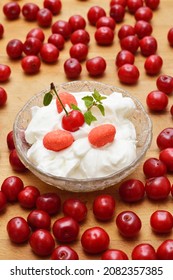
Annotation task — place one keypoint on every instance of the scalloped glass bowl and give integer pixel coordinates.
(139, 118)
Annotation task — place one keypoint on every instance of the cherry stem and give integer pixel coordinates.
(52, 87)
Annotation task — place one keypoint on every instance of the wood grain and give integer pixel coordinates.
(21, 87)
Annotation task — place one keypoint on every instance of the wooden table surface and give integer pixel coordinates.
(21, 87)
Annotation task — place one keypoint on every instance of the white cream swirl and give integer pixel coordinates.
(81, 160)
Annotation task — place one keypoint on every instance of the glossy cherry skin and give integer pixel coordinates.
(44, 17)
(80, 36)
(132, 190)
(133, 5)
(144, 251)
(157, 188)
(104, 207)
(29, 11)
(75, 208)
(31, 64)
(3, 201)
(18, 230)
(10, 140)
(128, 223)
(157, 100)
(54, 6)
(11, 10)
(62, 27)
(114, 254)
(49, 202)
(36, 32)
(3, 97)
(32, 46)
(5, 72)
(152, 4)
(124, 57)
(39, 219)
(73, 121)
(143, 28)
(49, 53)
(42, 242)
(11, 187)
(72, 68)
(130, 43)
(120, 2)
(148, 45)
(14, 48)
(1, 30)
(165, 83)
(117, 12)
(106, 21)
(144, 13)
(28, 196)
(104, 36)
(128, 74)
(153, 64)
(79, 51)
(77, 22)
(95, 240)
(125, 30)
(170, 36)
(171, 110)
(165, 138)
(161, 221)
(166, 155)
(94, 13)
(96, 66)
(15, 162)
(165, 250)
(57, 40)
(66, 229)
(154, 167)
(64, 252)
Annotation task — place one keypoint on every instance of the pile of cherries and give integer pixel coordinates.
(37, 229)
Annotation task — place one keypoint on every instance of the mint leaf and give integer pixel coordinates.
(101, 108)
(74, 107)
(89, 118)
(97, 96)
(47, 98)
(88, 101)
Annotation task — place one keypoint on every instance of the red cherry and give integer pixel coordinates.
(148, 45)
(165, 138)
(128, 223)
(49, 202)
(39, 219)
(143, 28)
(32, 46)
(104, 36)
(29, 11)
(166, 156)
(14, 48)
(53, 5)
(62, 27)
(130, 43)
(3, 97)
(157, 100)
(126, 30)
(37, 33)
(1, 30)
(72, 68)
(152, 4)
(161, 221)
(11, 10)
(132, 190)
(157, 188)
(65, 229)
(144, 13)
(80, 36)
(96, 66)
(104, 207)
(11, 187)
(57, 40)
(106, 21)
(153, 64)
(170, 36)
(165, 83)
(28, 196)
(10, 140)
(64, 252)
(73, 121)
(31, 64)
(114, 254)
(3, 201)
(171, 110)
(18, 230)
(49, 53)
(75, 208)
(128, 74)
(133, 5)
(154, 167)
(120, 2)
(77, 22)
(44, 17)
(15, 162)
(5, 72)
(94, 13)
(124, 57)
(117, 12)
(79, 51)
(42, 242)
(165, 250)
(144, 251)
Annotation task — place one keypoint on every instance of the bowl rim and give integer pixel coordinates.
(33, 168)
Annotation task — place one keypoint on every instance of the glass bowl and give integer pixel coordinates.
(140, 119)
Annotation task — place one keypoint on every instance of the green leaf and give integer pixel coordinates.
(97, 96)
(74, 107)
(89, 118)
(47, 98)
(88, 101)
(101, 108)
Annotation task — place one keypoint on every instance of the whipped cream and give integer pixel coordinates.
(81, 160)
